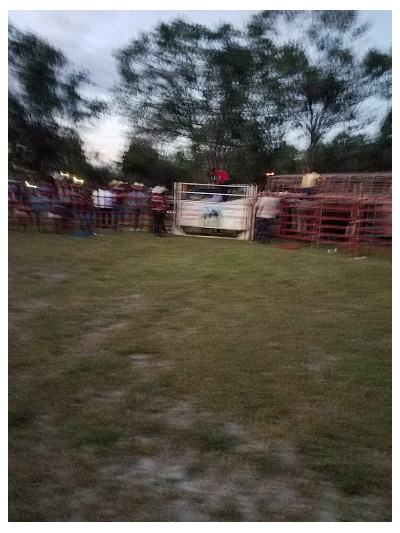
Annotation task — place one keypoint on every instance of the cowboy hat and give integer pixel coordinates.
(115, 183)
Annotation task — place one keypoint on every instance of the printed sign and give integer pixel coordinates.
(212, 215)
(224, 215)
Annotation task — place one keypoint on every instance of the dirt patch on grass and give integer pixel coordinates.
(111, 396)
(139, 360)
(191, 468)
(18, 311)
(187, 485)
(111, 317)
(98, 337)
(187, 466)
(147, 362)
(52, 277)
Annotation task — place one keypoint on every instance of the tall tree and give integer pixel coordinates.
(184, 81)
(140, 161)
(44, 98)
(235, 96)
(317, 77)
(378, 67)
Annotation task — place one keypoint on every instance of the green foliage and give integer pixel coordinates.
(44, 91)
(140, 158)
(378, 68)
(377, 63)
(43, 82)
(229, 96)
(235, 95)
(357, 153)
(142, 162)
(183, 81)
(316, 75)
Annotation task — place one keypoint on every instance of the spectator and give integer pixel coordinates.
(221, 177)
(47, 188)
(135, 202)
(159, 207)
(85, 211)
(66, 206)
(118, 207)
(266, 209)
(309, 181)
(102, 201)
(39, 205)
(217, 198)
(146, 208)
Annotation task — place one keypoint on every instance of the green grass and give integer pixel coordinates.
(107, 334)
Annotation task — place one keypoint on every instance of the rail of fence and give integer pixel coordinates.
(376, 184)
(59, 208)
(72, 220)
(352, 222)
(60, 220)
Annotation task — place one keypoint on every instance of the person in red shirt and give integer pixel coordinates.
(85, 210)
(159, 206)
(221, 177)
(118, 205)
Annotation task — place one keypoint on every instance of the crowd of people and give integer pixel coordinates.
(67, 206)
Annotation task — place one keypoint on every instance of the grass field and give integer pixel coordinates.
(187, 379)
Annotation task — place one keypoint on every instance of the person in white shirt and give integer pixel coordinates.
(266, 210)
(135, 201)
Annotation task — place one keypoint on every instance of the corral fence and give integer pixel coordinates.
(354, 223)
(350, 211)
(353, 210)
(371, 184)
(63, 210)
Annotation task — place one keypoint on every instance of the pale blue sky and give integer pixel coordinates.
(88, 39)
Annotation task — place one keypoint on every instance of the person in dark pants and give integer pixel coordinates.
(118, 207)
(135, 200)
(85, 212)
(263, 229)
(309, 181)
(266, 210)
(159, 206)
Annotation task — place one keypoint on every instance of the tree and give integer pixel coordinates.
(316, 76)
(233, 97)
(140, 161)
(43, 97)
(384, 143)
(378, 67)
(183, 81)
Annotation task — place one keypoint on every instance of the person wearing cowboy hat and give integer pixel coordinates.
(118, 200)
(159, 206)
(135, 202)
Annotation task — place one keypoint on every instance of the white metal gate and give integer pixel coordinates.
(221, 211)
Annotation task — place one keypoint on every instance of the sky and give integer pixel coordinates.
(89, 37)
